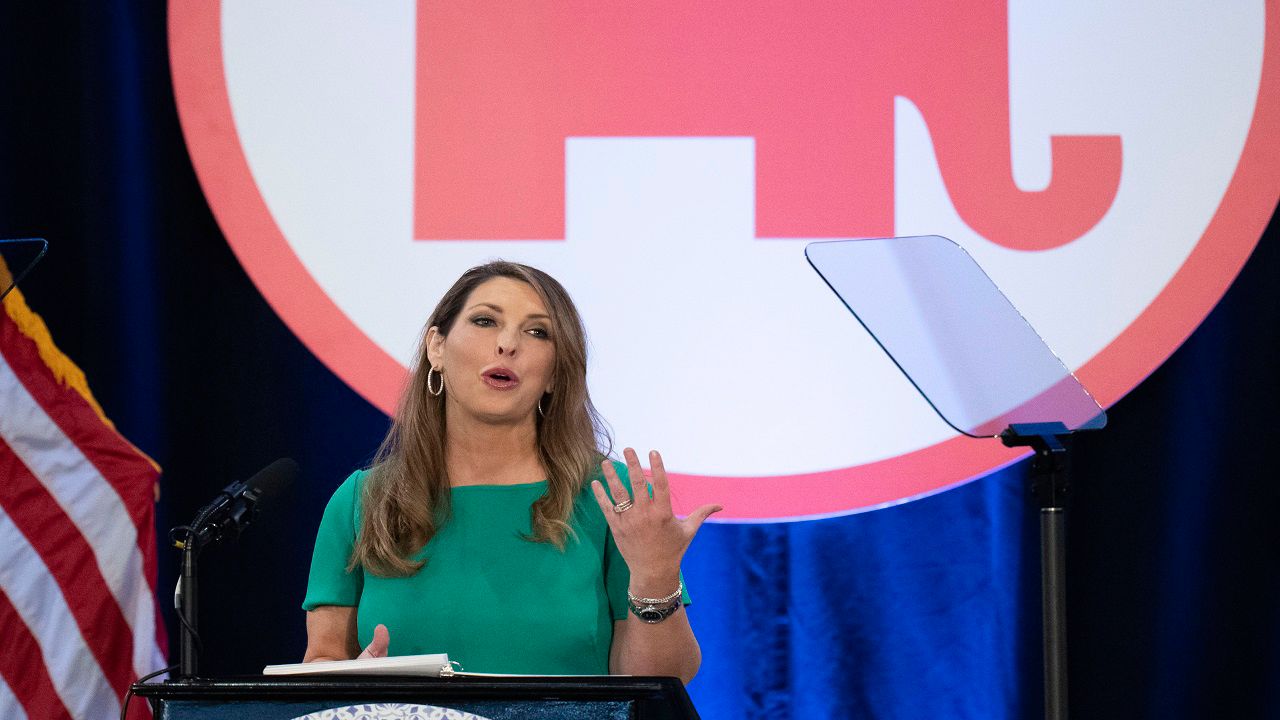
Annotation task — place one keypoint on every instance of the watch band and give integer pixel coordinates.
(653, 613)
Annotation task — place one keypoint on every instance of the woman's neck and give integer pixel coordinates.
(478, 453)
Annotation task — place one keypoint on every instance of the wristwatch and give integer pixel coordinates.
(653, 614)
(655, 610)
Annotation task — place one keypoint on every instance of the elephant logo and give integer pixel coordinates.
(815, 88)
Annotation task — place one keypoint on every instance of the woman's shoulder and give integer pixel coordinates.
(355, 481)
(348, 493)
(342, 512)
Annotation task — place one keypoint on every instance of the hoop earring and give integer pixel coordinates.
(541, 412)
(435, 392)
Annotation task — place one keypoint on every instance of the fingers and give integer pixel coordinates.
(616, 488)
(602, 499)
(381, 642)
(639, 483)
(661, 488)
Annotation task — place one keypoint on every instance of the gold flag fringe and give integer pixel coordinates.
(65, 371)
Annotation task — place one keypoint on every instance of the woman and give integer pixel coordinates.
(486, 527)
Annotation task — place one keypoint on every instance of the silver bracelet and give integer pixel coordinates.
(655, 610)
(656, 601)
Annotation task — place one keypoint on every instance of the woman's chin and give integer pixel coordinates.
(502, 416)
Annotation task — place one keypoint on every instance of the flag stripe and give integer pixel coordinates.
(39, 603)
(79, 418)
(26, 683)
(77, 538)
(10, 707)
(117, 462)
(65, 552)
(92, 504)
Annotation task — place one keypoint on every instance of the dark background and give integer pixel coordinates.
(1174, 593)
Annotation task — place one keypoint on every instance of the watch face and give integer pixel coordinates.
(650, 614)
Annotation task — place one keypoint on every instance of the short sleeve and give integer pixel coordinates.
(617, 575)
(329, 582)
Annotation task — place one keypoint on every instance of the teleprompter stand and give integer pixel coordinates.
(986, 372)
(1049, 484)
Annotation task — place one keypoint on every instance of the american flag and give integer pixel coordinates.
(78, 615)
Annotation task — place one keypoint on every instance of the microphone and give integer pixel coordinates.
(239, 503)
(227, 516)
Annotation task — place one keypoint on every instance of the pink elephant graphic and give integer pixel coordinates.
(501, 85)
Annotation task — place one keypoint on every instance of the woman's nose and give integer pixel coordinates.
(507, 344)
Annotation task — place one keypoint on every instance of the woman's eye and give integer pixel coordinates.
(482, 321)
(539, 332)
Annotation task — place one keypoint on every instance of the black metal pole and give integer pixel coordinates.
(1050, 484)
(188, 658)
(1053, 586)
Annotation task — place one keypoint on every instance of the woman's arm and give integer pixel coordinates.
(664, 648)
(652, 540)
(331, 633)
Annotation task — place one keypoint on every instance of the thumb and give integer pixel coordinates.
(697, 517)
(381, 641)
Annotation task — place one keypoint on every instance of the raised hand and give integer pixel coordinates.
(650, 537)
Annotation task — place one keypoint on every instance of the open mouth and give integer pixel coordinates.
(500, 378)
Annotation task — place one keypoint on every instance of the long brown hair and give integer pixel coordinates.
(406, 493)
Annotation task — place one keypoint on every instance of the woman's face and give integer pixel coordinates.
(499, 355)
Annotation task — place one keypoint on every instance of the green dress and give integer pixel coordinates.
(492, 600)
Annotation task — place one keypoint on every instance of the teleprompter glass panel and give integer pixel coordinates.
(959, 340)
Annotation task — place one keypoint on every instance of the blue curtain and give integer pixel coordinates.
(928, 609)
(922, 610)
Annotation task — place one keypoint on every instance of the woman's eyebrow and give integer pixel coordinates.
(498, 309)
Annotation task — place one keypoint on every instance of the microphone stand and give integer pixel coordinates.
(188, 657)
(226, 516)
(185, 596)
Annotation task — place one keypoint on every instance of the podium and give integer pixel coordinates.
(494, 698)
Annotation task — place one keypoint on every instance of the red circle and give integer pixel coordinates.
(204, 107)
